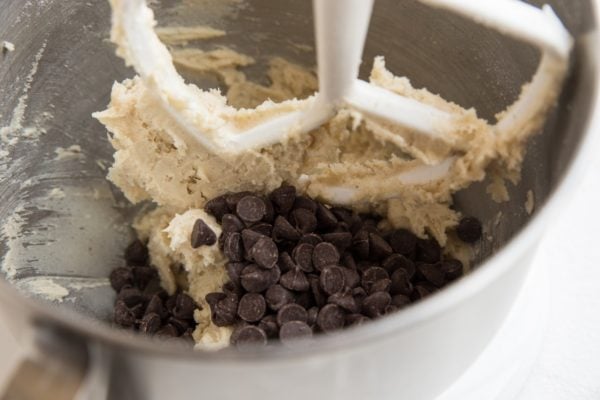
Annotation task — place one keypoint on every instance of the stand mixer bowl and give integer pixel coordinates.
(65, 224)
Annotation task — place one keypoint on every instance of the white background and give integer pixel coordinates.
(568, 368)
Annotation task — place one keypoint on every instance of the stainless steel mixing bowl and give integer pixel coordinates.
(64, 223)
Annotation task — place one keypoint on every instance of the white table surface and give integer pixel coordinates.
(568, 367)
(569, 364)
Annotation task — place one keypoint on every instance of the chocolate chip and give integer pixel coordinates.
(400, 283)
(168, 331)
(232, 288)
(403, 241)
(143, 275)
(184, 307)
(294, 332)
(170, 303)
(303, 256)
(306, 203)
(120, 277)
(305, 299)
(217, 207)
(234, 271)
(351, 278)
(136, 253)
(469, 230)
(233, 247)
(325, 254)
(269, 325)
(400, 300)
(348, 261)
(356, 224)
(303, 220)
(360, 244)
(232, 199)
(291, 312)
(274, 275)
(283, 230)
(138, 310)
(202, 235)
(341, 240)
(375, 304)
(252, 307)
(222, 237)
(395, 261)
(231, 223)
(251, 208)
(295, 280)
(130, 296)
(325, 218)
(331, 317)
(362, 266)
(263, 228)
(179, 324)
(312, 314)
(342, 227)
(225, 310)
(345, 300)
(452, 269)
(382, 285)
(319, 296)
(356, 319)
(154, 288)
(265, 252)
(378, 247)
(156, 306)
(428, 251)
(236, 330)
(372, 275)
(213, 298)
(123, 315)
(342, 214)
(277, 296)
(359, 295)
(255, 279)
(332, 279)
(283, 199)
(285, 262)
(269, 210)
(250, 337)
(310, 238)
(432, 274)
(420, 292)
(369, 222)
(150, 323)
(250, 237)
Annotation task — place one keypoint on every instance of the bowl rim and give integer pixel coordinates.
(458, 292)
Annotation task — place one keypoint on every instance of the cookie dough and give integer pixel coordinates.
(149, 165)
(199, 271)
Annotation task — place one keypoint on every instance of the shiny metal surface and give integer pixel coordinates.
(453, 57)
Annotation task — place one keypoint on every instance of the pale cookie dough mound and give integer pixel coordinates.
(149, 164)
(200, 271)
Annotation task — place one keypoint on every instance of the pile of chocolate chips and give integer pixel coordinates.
(143, 305)
(298, 267)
